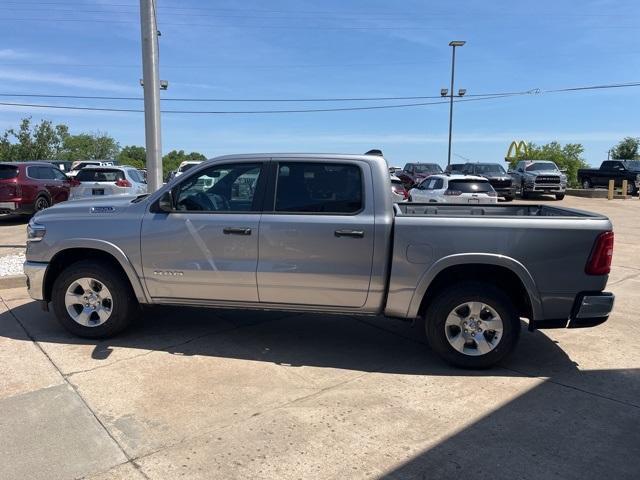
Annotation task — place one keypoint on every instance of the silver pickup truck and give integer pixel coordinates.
(320, 233)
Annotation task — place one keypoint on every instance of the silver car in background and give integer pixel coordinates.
(102, 181)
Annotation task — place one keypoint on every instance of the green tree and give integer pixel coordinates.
(89, 146)
(568, 157)
(42, 141)
(133, 155)
(174, 158)
(627, 149)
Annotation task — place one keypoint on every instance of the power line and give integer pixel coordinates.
(243, 112)
(314, 110)
(251, 100)
(535, 91)
(276, 27)
(321, 12)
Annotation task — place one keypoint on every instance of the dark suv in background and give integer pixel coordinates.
(27, 187)
(414, 173)
(498, 177)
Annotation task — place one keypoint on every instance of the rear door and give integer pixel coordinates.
(316, 234)
(207, 248)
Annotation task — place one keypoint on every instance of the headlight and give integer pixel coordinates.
(35, 232)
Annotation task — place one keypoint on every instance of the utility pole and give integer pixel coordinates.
(151, 85)
(443, 92)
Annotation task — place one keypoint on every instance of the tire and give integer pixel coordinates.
(586, 183)
(508, 198)
(119, 311)
(41, 203)
(440, 335)
(410, 199)
(559, 196)
(523, 194)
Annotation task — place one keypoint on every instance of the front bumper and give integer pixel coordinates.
(589, 309)
(35, 272)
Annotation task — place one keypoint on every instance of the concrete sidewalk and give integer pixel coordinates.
(204, 394)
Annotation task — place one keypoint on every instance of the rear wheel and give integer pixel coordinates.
(472, 325)
(586, 183)
(410, 198)
(41, 203)
(93, 300)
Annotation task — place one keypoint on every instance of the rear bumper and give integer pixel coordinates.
(589, 309)
(16, 207)
(35, 272)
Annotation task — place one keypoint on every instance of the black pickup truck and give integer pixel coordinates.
(617, 170)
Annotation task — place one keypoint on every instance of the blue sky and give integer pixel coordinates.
(330, 48)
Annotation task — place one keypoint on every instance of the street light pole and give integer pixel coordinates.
(151, 85)
(453, 44)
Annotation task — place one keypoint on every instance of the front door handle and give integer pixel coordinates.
(349, 233)
(236, 231)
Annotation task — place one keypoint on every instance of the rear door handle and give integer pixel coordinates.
(236, 231)
(349, 233)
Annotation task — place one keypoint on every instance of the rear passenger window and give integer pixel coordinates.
(318, 188)
(99, 175)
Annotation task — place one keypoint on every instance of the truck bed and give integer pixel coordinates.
(548, 245)
(440, 210)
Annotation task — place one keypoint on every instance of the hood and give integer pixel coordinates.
(109, 205)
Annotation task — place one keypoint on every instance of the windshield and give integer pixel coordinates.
(428, 168)
(538, 166)
(8, 171)
(632, 165)
(492, 168)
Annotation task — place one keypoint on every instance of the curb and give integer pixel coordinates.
(13, 281)
(591, 193)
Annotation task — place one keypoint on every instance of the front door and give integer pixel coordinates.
(207, 248)
(316, 237)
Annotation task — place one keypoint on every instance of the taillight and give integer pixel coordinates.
(121, 182)
(400, 190)
(453, 192)
(599, 262)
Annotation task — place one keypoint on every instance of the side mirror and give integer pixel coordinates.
(563, 170)
(165, 203)
(521, 170)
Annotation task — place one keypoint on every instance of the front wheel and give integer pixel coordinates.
(93, 300)
(559, 196)
(472, 325)
(586, 184)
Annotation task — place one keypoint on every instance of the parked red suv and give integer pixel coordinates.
(26, 187)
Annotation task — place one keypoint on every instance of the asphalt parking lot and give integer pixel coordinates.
(205, 394)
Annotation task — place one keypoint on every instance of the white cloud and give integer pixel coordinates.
(27, 76)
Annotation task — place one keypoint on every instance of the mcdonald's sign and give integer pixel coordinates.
(517, 150)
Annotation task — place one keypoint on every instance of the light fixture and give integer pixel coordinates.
(462, 92)
(444, 92)
(457, 43)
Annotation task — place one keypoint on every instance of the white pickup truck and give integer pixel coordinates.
(320, 233)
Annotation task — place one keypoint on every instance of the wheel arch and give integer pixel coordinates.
(95, 249)
(505, 272)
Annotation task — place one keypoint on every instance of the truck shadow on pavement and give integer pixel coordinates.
(367, 344)
(546, 417)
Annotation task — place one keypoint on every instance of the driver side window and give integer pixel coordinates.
(220, 188)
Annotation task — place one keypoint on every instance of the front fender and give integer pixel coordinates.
(113, 250)
(476, 258)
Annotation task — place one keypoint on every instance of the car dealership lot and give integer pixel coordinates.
(231, 394)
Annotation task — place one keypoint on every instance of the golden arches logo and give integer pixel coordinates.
(517, 150)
